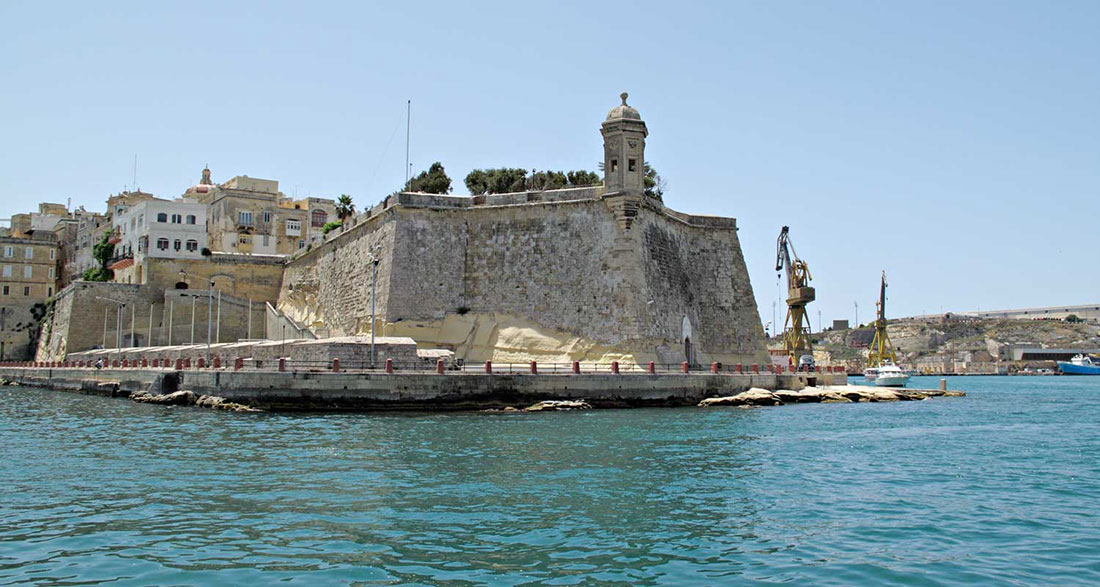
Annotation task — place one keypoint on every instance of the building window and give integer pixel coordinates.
(614, 165)
(53, 254)
(49, 291)
(267, 240)
(53, 272)
(267, 216)
(7, 270)
(26, 290)
(192, 246)
(162, 217)
(293, 227)
(28, 271)
(9, 251)
(7, 290)
(631, 164)
(244, 239)
(190, 218)
(162, 244)
(29, 253)
(177, 219)
(244, 218)
(177, 244)
(318, 218)
(301, 244)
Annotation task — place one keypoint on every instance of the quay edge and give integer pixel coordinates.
(303, 391)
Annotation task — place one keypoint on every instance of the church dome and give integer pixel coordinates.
(623, 111)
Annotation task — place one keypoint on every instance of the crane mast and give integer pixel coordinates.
(796, 330)
(881, 349)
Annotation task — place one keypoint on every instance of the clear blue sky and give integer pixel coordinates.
(954, 144)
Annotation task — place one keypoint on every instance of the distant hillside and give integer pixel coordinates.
(954, 340)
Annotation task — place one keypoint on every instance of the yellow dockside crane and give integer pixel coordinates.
(796, 337)
(880, 345)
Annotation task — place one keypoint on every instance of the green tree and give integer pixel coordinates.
(496, 181)
(1073, 319)
(102, 252)
(546, 180)
(511, 179)
(583, 178)
(330, 226)
(344, 207)
(432, 181)
(655, 185)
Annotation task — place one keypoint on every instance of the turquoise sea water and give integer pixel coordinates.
(1000, 487)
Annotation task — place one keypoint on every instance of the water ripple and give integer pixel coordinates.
(998, 487)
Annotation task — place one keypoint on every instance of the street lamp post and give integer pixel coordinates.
(209, 314)
(373, 281)
(118, 324)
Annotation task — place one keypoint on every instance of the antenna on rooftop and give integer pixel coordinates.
(408, 126)
(133, 186)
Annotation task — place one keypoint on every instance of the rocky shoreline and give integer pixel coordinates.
(834, 394)
(751, 398)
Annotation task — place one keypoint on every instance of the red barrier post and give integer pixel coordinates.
(714, 367)
(114, 364)
(755, 369)
(488, 366)
(336, 365)
(217, 362)
(282, 364)
(534, 368)
(439, 366)
(576, 367)
(685, 367)
(615, 367)
(651, 367)
(238, 364)
(389, 366)
(201, 363)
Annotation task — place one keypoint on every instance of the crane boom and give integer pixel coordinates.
(881, 349)
(796, 329)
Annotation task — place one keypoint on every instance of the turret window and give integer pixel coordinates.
(631, 164)
(614, 165)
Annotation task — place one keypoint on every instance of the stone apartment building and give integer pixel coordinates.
(250, 215)
(28, 278)
(156, 229)
(90, 227)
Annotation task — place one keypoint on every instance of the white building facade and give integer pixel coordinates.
(165, 229)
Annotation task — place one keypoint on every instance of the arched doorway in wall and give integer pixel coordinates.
(685, 335)
(181, 285)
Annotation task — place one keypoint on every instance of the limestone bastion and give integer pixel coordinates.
(592, 274)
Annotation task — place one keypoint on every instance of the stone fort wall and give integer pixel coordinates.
(551, 276)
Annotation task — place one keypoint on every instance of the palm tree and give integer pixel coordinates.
(344, 207)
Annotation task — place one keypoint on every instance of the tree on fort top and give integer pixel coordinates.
(432, 181)
(344, 207)
(511, 179)
(655, 185)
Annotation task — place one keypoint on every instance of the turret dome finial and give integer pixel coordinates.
(624, 96)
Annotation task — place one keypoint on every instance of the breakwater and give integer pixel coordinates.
(342, 390)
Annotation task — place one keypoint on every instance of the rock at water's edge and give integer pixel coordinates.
(752, 397)
(558, 405)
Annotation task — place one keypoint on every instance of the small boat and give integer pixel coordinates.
(1079, 365)
(890, 375)
(870, 373)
